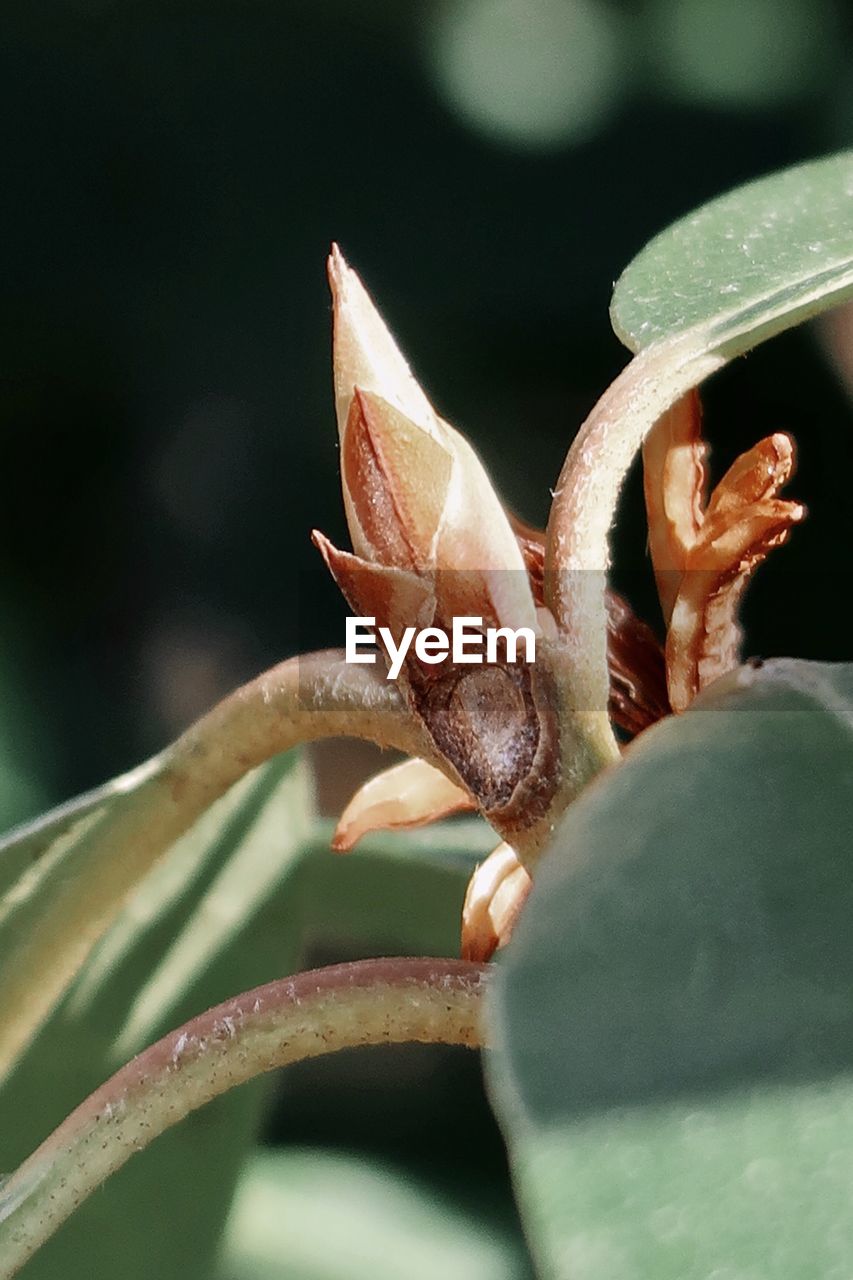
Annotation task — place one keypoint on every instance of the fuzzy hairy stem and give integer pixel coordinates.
(584, 509)
(315, 696)
(368, 1002)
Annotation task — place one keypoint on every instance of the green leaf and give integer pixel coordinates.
(396, 894)
(300, 1215)
(748, 264)
(67, 877)
(38, 862)
(191, 934)
(21, 782)
(674, 1018)
(234, 903)
(29, 853)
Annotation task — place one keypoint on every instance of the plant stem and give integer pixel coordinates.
(315, 696)
(368, 1002)
(584, 509)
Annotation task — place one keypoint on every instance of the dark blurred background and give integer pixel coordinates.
(173, 175)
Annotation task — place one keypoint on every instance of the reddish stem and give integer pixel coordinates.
(387, 1001)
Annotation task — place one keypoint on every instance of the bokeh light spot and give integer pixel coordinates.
(530, 73)
(740, 53)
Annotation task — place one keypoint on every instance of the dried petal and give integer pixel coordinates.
(531, 543)
(704, 551)
(756, 475)
(674, 479)
(704, 637)
(496, 893)
(410, 794)
(635, 659)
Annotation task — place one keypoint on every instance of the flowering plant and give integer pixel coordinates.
(672, 875)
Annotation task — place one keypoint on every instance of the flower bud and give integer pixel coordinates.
(416, 495)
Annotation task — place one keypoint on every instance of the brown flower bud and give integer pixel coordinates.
(416, 495)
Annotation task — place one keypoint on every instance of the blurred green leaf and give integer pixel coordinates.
(29, 853)
(674, 1018)
(38, 862)
(312, 1215)
(234, 903)
(135, 986)
(21, 780)
(747, 265)
(402, 892)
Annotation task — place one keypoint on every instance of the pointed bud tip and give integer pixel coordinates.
(348, 291)
(327, 549)
(336, 267)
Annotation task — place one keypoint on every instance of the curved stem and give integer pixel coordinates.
(369, 1002)
(584, 509)
(310, 697)
(318, 695)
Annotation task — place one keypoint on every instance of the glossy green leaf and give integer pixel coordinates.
(746, 265)
(674, 1018)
